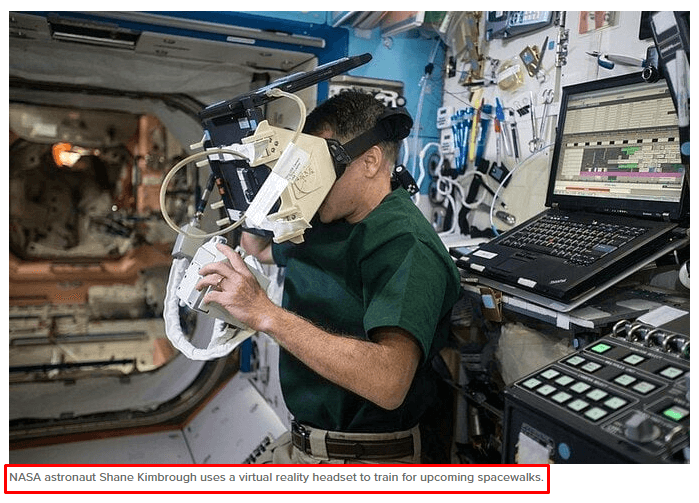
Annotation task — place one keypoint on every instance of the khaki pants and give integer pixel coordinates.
(282, 451)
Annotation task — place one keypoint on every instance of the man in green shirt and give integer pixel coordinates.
(367, 302)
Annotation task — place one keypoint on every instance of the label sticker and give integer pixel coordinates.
(266, 197)
(488, 301)
(526, 282)
(485, 254)
(291, 162)
(246, 150)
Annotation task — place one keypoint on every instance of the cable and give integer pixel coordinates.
(504, 181)
(406, 152)
(449, 186)
(421, 163)
(278, 93)
(220, 343)
(166, 181)
(477, 203)
(454, 218)
(423, 88)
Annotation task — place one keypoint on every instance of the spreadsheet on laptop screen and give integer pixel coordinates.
(621, 143)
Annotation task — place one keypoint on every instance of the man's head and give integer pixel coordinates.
(367, 179)
(347, 115)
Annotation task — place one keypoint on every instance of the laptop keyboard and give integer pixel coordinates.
(579, 243)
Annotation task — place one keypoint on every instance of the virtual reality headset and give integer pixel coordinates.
(275, 178)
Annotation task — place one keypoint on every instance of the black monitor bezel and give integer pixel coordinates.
(662, 210)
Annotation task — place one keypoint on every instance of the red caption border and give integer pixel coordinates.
(320, 466)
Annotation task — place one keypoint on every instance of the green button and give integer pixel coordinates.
(596, 394)
(634, 359)
(672, 372)
(644, 387)
(624, 379)
(591, 367)
(596, 413)
(575, 360)
(580, 387)
(564, 380)
(546, 389)
(549, 374)
(601, 347)
(676, 413)
(561, 397)
(615, 403)
(531, 383)
(578, 405)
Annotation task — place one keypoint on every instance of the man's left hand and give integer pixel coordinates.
(235, 288)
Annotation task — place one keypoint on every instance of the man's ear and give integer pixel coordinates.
(372, 160)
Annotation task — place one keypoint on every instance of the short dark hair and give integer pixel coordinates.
(349, 114)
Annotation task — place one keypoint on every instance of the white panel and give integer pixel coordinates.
(109, 393)
(157, 448)
(247, 57)
(228, 430)
(266, 377)
(232, 425)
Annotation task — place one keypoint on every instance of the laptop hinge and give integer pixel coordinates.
(666, 217)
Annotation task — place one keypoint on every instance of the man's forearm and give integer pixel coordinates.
(380, 370)
(258, 246)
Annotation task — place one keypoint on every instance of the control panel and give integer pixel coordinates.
(622, 399)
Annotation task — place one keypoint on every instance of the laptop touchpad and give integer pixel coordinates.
(512, 264)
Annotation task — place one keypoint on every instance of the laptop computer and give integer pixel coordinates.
(617, 198)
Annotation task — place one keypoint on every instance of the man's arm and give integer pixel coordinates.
(258, 246)
(380, 370)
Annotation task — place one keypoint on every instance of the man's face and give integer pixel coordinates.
(343, 201)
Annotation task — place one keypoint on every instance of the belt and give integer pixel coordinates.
(353, 449)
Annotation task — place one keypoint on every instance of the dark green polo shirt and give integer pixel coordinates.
(390, 269)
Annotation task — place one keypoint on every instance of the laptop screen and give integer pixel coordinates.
(618, 149)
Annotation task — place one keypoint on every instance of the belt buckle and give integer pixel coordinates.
(304, 434)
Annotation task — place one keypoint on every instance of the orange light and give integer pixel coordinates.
(66, 155)
(63, 156)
